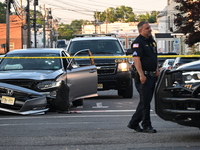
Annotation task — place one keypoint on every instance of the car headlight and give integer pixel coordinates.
(123, 67)
(191, 77)
(48, 85)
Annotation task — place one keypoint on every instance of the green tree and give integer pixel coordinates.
(65, 31)
(39, 17)
(2, 13)
(150, 17)
(122, 13)
(153, 17)
(76, 26)
(188, 20)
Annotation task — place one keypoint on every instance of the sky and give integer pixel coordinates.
(68, 10)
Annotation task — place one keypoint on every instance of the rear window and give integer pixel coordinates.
(187, 60)
(96, 46)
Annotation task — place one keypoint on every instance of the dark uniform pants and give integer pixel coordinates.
(146, 91)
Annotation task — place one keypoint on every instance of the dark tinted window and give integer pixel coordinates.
(96, 46)
(187, 60)
(61, 44)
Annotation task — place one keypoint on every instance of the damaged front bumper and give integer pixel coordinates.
(19, 100)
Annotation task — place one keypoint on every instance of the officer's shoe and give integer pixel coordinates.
(136, 128)
(149, 130)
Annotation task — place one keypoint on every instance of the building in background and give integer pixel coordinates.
(126, 32)
(16, 34)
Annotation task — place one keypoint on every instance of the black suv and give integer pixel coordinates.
(114, 71)
(177, 95)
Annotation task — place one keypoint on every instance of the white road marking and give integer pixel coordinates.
(99, 105)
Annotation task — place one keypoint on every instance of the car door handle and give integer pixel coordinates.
(92, 71)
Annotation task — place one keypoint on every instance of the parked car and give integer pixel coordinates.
(177, 95)
(62, 43)
(113, 72)
(49, 72)
(163, 56)
(182, 60)
(167, 64)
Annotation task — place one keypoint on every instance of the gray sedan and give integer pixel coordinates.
(49, 72)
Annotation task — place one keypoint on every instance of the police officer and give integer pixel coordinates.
(146, 64)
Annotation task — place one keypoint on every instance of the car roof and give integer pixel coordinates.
(37, 50)
(93, 38)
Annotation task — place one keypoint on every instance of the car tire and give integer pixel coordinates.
(128, 92)
(78, 102)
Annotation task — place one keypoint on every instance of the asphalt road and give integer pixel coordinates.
(99, 125)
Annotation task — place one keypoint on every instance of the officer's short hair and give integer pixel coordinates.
(140, 24)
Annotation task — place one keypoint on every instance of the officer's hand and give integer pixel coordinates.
(143, 79)
(157, 73)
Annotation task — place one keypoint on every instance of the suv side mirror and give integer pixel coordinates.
(129, 52)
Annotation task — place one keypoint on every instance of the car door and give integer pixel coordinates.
(82, 80)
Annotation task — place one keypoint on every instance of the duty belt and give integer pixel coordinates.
(151, 73)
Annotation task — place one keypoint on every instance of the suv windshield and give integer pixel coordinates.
(30, 63)
(96, 46)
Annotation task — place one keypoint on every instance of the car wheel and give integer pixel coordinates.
(128, 92)
(78, 102)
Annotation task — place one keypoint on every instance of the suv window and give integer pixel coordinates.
(96, 46)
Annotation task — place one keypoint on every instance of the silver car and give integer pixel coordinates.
(50, 72)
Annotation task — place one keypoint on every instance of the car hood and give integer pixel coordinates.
(190, 66)
(30, 74)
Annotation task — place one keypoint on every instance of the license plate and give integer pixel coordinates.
(100, 86)
(7, 100)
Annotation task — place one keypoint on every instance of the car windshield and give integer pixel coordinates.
(32, 63)
(96, 46)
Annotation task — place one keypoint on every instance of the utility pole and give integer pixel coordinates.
(44, 28)
(28, 25)
(107, 21)
(34, 23)
(7, 26)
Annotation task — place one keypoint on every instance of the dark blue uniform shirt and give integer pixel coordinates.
(146, 49)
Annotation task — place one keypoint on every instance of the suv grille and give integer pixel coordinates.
(106, 69)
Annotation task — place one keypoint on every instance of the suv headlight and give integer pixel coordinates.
(48, 85)
(191, 77)
(123, 67)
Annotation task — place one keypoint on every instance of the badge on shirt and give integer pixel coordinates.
(136, 45)
(134, 53)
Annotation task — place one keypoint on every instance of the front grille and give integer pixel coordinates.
(30, 84)
(106, 69)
